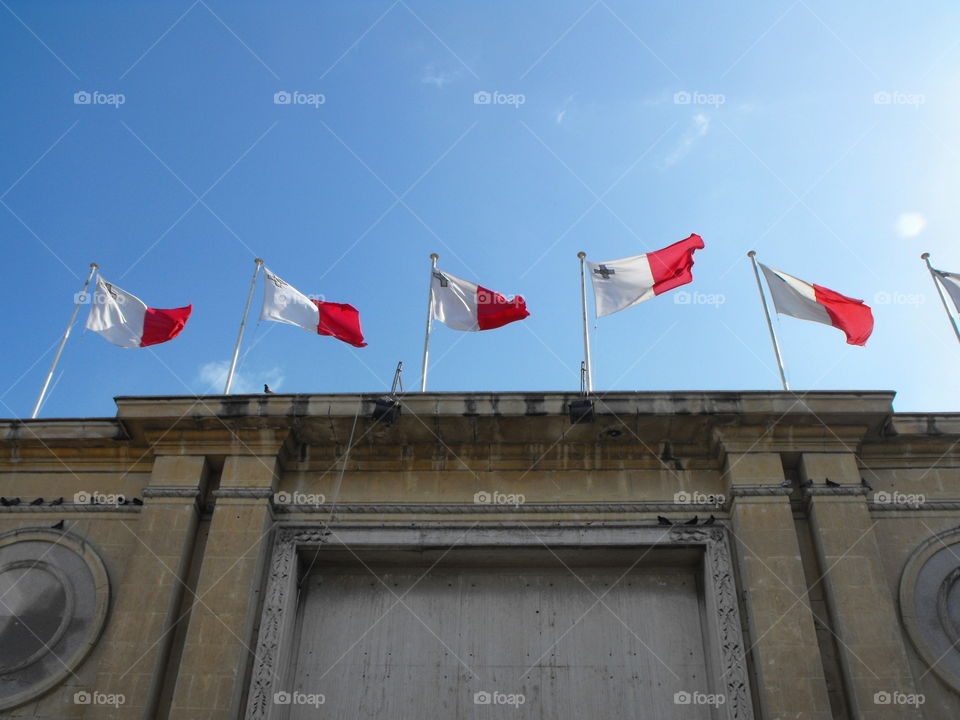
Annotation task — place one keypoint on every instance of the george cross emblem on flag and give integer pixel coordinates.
(442, 278)
(604, 272)
(277, 281)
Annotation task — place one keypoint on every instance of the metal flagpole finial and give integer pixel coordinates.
(925, 256)
(434, 256)
(752, 253)
(94, 266)
(258, 261)
(581, 254)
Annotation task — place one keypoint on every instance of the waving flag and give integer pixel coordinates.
(462, 305)
(125, 320)
(284, 303)
(951, 283)
(621, 284)
(807, 301)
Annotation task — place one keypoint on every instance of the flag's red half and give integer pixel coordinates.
(847, 314)
(341, 321)
(494, 310)
(671, 267)
(162, 325)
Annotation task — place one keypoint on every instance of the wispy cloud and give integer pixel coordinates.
(699, 128)
(437, 78)
(910, 224)
(562, 112)
(212, 376)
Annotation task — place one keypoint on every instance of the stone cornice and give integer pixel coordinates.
(471, 508)
(759, 490)
(842, 491)
(168, 492)
(243, 492)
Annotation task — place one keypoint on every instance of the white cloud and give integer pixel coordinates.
(562, 113)
(701, 126)
(437, 78)
(212, 376)
(910, 224)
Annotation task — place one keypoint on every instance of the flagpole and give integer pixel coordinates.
(63, 341)
(258, 262)
(936, 282)
(766, 311)
(426, 340)
(586, 333)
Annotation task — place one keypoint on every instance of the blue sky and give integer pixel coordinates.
(823, 135)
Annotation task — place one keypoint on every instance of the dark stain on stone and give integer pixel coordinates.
(300, 406)
(535, 405)
(234, 407)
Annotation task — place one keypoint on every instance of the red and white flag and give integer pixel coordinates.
(463, 305)
(807, 301)
(284, 303)
(621, 284)
(125, 320)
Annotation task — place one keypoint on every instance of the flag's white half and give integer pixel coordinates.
(621, 284)
(284, 303)
(950, 283)
(794, 297)
(454, 301)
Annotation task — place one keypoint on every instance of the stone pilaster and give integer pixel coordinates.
(785, 653)
(873, 658)
(219, 644)
(149, 589)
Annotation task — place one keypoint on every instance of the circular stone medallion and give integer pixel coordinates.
(54, 595)
(930, 604)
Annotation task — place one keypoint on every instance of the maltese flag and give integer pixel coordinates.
(621, 284)
(284, 303)
(807, 301)
(125, 320)
(463, 305)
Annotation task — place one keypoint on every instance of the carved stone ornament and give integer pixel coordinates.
(930, 604)
(724, 648)
(54, 595)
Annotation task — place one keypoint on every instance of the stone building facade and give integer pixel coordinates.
(468, 555)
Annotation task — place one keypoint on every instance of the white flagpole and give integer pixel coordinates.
(78, 299)
(426, 340)
(766, 311)
(586, 333)
(936, 282)
(258, 262)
